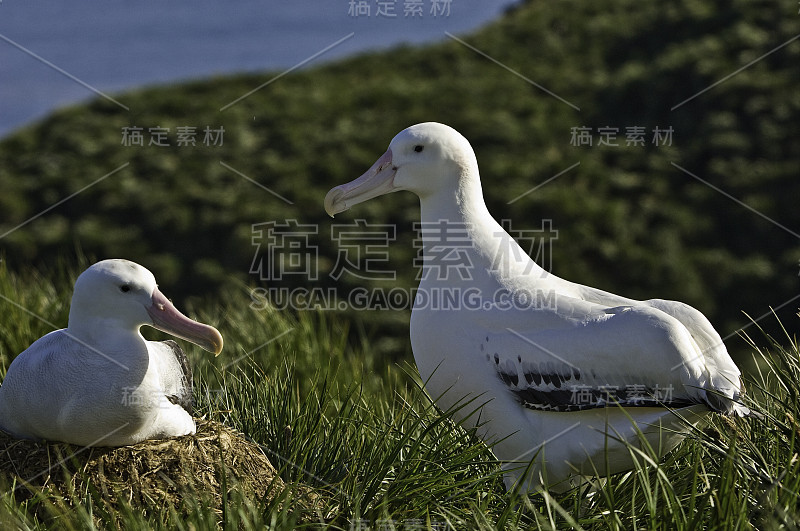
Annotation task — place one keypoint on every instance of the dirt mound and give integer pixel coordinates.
(207, 466)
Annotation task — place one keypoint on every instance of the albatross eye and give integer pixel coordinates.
(125, 288)
(418, 148)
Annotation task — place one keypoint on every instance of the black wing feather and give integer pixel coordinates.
(184, 396)
(560, 389)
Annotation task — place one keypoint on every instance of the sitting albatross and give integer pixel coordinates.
(98, 382)
(563, 373)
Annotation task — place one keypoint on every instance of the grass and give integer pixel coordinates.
(364, 436)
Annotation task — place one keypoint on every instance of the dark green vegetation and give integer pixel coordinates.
(628, 220)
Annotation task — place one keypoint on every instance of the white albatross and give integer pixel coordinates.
(563, 373)
(98, 382)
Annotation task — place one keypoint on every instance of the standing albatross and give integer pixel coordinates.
(98, 382)
(563, 373)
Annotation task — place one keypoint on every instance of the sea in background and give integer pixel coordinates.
(55, 53)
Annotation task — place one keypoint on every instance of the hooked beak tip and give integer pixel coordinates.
(217, 345)
(331, 198)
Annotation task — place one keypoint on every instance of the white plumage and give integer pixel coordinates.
(550, 361)
(98, 382)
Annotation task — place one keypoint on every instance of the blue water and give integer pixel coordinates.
(113, 45)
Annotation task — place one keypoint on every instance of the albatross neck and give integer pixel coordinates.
(107, 336)
(460, 238)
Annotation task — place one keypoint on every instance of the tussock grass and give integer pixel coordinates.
(354, 437)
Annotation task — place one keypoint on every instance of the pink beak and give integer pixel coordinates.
(168, 319)
(377, 180)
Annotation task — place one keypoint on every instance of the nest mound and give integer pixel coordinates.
(206, 467)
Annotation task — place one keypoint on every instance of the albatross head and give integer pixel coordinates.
(124, 295)
(426, 159)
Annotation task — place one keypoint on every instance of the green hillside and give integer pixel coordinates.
(628, 218)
